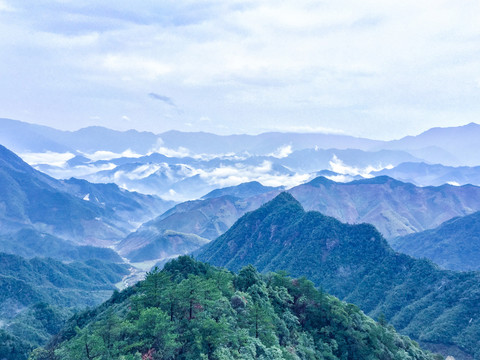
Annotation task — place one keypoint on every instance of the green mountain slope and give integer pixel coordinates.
(77, 284)
(38, 295)
(191, 310)
(163, 245)
(355, 263)
(31, 243)
(454, 245)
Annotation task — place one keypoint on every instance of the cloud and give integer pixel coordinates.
(4, 6)
(49, 158)
(257, 65)
(134, 66)
(338, 166)
(340, 178)
(162, 98)
(88, 172)
(282, 152)
(108, 155)
(241, 173)
(453, 183)
(179, 152)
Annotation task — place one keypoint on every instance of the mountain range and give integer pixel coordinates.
(423, 174)
(451, 146)
(439, 308)
(75, 210)
(84, 228)
(194, 223)
(184, 166)
(394, 207)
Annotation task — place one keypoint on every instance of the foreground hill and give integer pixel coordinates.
(454, 245)
(191, 310)
(355, 263)
(73, 209)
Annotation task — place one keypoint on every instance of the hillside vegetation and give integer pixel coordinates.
(191, 310)
(38, 295)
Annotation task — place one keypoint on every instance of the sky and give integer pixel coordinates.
(373, 68)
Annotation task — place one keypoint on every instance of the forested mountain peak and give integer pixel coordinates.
(355, 263)
(191, 310)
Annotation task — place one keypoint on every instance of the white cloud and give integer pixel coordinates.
(142, 171)
(49, 158)
(4, 6)
(338, 166)
(88, 172)
(159, 148)
(340, 178)
(109, 155)
(133, 66)
(263, 173)
(453, 183)
(282, 151)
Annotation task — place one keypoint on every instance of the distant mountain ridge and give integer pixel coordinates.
(460, 142)
(423, 174)
(184, 166)
(94, 138)
(394, 207)
(355, 263)
(197, 222)
(454, 145)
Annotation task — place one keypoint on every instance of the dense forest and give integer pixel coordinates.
(37, 296)
(191, 310)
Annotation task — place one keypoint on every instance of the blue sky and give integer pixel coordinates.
(378, 69)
